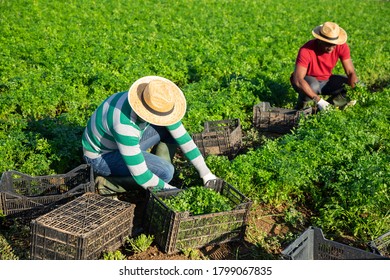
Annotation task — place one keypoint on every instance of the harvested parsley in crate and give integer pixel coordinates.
(176, 229)
(199, 200)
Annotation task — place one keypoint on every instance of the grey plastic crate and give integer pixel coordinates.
(30, 196)
(311, 245)
(381, 245)
(220, 138)
(176, 231)
(277, 120)
(81, 229)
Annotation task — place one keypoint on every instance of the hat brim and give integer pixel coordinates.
(339, 41)
(136, 103)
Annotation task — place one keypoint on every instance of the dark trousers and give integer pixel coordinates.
(334, 88)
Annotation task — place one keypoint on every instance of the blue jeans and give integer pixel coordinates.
(112, 164)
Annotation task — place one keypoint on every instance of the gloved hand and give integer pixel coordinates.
(168, 188)
(208, 177)
(322, 104)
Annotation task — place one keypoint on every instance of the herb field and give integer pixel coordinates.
(61, 59)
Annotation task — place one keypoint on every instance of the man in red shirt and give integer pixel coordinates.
(316, 59)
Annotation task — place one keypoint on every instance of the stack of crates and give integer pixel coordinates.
(25, 195)
(220, 138)
(176, 231)
(82, 229)
(276, 120)
(311, 245)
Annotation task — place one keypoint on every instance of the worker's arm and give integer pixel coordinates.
(350, 72)
(299, 81)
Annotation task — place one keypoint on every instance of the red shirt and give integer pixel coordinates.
(320, 65)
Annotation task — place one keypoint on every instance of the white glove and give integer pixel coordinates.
(322, 104)
(169, 188)
(208, 177)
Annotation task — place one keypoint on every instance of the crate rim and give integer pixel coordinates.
(81, 166)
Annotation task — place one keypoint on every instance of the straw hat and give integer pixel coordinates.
(330, 32)
(157, 100)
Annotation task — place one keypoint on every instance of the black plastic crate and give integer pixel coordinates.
(311, 245)
(220, 138)
(277, 120)
(82, 229)
(381, 245)
(25, 195)
(176, 231)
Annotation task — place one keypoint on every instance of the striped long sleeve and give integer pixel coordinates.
(114, 126)
(189, 148)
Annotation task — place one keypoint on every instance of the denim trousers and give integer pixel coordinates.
(112, 164)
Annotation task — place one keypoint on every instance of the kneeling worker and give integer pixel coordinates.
(127, 124)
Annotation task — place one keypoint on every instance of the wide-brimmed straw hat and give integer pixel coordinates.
(330, 32)
(157, 100)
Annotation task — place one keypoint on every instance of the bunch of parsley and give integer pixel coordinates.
(199, 200)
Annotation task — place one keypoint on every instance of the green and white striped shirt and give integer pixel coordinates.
(114, 126)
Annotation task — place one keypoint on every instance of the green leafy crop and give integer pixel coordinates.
(199, 200)
(140, 243)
